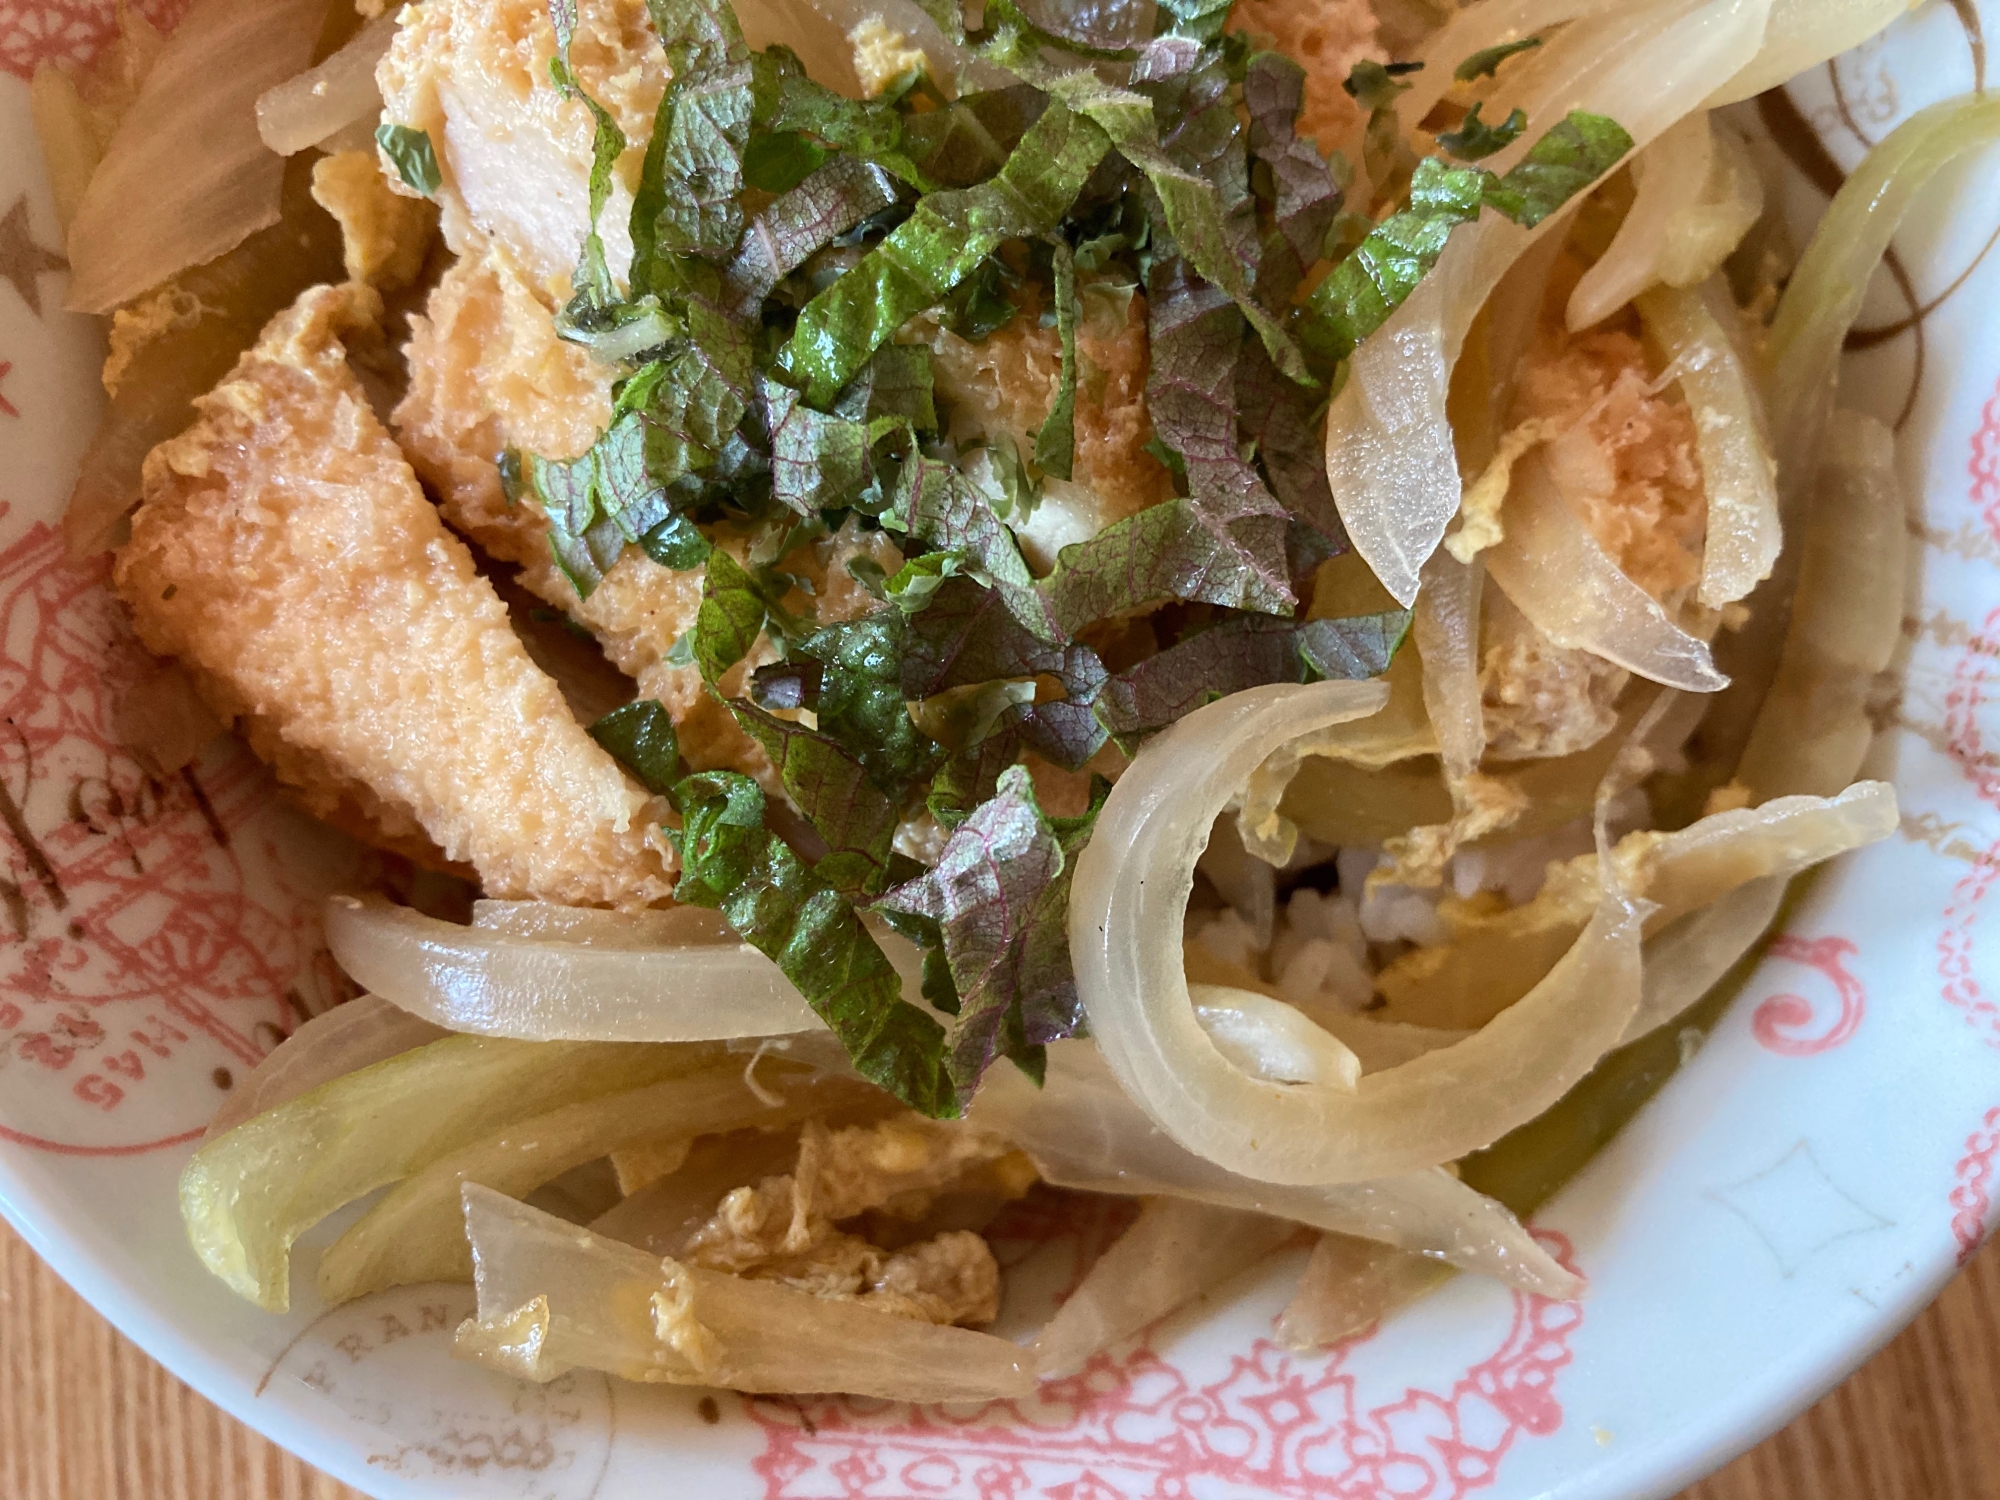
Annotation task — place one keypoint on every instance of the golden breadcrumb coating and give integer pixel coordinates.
(487, 373)
(1326, 38)
(285, 553)
(1007, 382)
(1627, 462)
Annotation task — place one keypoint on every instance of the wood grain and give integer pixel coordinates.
(85, 1416)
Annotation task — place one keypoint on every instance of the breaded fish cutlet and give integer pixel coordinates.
(285, 552)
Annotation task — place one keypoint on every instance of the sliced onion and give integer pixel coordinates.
(1491, 960)
(247, 1195)
(163, 722)
(1349, 1286)
(548, 921)
(232, 298)
(1847, 619)
(1382, 725)
(1267, 1038)
(1553, 570)
(553, 1297)
(1249, 884)
(1446, 631)
(1690, 957)
(1082, 1131)
(1698, 195)
(606, 988)
(187, 177)
(1474, 29)
(320, 102)
(1172, 1254)
(1125, 921)
(1804, 33)
(364, 1031)
(1744, 532)
(417, 1232)
(1389, 451)
(1824, 295)
(1386, 1044)
(1446, 635)
(660, 1217)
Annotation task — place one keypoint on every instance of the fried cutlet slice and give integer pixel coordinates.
(487, 373)
(286, 555)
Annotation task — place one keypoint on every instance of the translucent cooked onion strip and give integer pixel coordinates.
(1804, 33)
(187, 177)
(320, 102)
(546, 921)
(491, 982)
(1491, 23)
(416, 1233)
(1082, 1131)
(1689, 958)
(661, 1216)
(1269, 1039)
(247, 1195)
(1847, 618)
(1389, 450)
(1349, 1286)
(1171, 1255)
(1813, 731)
(1554, 571)
(1825, 292)
(553, 1297)
(1698, 195)
(1381, 727)
(1744, 532)
(364, 1031)
(1492, 959)
(1125, 923)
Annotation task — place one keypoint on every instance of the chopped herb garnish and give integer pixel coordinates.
(1475, 140)
(941, 244)
(1486, 61)
(1055, 443)
(641, 737)
(776, 421)
(789, 913)
(410, 152)
(1000, 899)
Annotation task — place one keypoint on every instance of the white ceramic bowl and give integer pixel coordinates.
(1797, 1193)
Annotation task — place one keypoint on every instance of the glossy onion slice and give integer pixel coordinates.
(1132, 888)
(1390, 455)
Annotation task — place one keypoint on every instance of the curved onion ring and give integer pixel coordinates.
(1132, 886)
(1553, 570)
(1825, 293)
(1699, 194)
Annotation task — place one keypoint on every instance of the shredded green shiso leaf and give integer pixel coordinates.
(783, 238)
(410, 152)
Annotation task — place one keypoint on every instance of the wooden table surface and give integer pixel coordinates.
(85, 1416)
